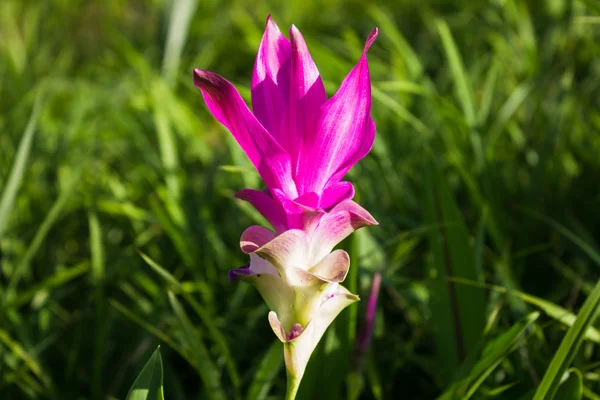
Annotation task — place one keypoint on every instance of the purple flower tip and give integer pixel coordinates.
(238, 272)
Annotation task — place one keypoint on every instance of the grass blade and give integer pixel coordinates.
(18, 169)
(39, 237)
(181, 15)
(462, 85)
(552, 310)
(97, 250)
(572, 387)
(149, 383)
(569, 347)
(21, 353)
(492, 355)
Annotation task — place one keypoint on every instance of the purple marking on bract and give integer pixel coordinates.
(294, 332)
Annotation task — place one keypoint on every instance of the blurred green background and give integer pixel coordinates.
(485, 171)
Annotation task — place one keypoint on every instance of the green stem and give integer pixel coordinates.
(293, 383)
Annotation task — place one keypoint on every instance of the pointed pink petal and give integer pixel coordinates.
(343, 130)
(271, 79)
(267, 206)
(355, 208)
(228, 107)
(306, 96)
(335, 194)
(335, 226)
(254, 238)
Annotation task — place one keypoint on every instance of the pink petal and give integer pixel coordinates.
(369, 138)
(271, 79)
(287, 250)
(335, 226)
(334, 267)
(228, 107)
(267, 206)
(335, 194)
(310, 200)
(254, 238)
(343, 131)
(306, 96)
(354, 208)
(298, 215)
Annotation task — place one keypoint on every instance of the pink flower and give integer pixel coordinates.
(302, 146)
(301, 143)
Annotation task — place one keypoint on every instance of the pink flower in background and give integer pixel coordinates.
(301, 143)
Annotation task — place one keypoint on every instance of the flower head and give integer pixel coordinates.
(301, 143)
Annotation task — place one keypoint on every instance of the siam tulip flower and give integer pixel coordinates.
(302, 145)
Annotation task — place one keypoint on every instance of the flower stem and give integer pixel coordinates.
(293, 383)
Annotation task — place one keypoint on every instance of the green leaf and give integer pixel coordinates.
(569, 346)
(458, 312)
(572, 387)
(149, 383)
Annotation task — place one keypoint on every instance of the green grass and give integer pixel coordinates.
(118, 222)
